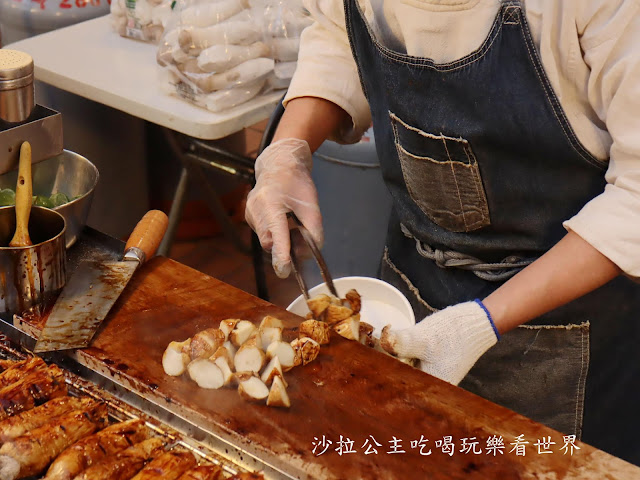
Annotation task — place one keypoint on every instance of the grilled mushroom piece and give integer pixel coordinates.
(176, 358)
(206, 373)
(278, 394)
(285, 353)
(205, 343)
(272, 370)
(253, 389)
(249, 357)
(319, 331)
(226, 326)
(349, 328)
(241, 332)
(306, 350)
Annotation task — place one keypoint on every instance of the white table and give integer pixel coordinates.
(91, 60)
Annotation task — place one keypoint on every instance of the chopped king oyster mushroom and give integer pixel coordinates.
(256, 358)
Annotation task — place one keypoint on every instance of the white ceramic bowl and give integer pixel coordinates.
(382, 303)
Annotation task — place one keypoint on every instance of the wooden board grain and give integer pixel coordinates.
(349, 392)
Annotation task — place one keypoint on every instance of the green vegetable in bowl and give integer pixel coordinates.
(42, 201)
(8, 198)
(58, 199)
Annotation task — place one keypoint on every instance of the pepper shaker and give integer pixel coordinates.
(16, 86)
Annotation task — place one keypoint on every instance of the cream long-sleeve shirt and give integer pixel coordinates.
(590, 50)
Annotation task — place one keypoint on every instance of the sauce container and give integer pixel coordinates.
(32, 277)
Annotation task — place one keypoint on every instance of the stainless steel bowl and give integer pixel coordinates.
(67, 173)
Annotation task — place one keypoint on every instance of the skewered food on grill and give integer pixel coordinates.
(203, 472)
(96, 447)
(168, 466)
(20, 369)
(30, 454)
(31, 390)
(26, 421)
(125, 464)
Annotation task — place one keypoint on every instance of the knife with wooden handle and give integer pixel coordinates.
(93, 289)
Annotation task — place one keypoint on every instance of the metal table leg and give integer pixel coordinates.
(175, 213)
(193, 167)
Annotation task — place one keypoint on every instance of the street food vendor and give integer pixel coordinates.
(509, 137)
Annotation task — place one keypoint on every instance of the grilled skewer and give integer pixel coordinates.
(90, 450)
(30, 454)
(22, 423)
(203, 472)
(32, 390)
(20, 369)
(168, 466)
(125, 464)
(4, 364)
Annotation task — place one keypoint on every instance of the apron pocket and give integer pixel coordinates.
(539, 371)
(442, 177)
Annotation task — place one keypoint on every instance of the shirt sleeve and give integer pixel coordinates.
(326, 68)
(610, 40)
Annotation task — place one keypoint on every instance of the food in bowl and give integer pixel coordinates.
(8, 199)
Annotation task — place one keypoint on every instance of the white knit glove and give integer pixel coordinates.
(283, 184)
(447, 343)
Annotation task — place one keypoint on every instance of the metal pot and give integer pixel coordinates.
(67, 173)
(31, 277)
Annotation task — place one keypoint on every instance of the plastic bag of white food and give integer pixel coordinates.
(214, 53)
(283, 23)
(140, 19)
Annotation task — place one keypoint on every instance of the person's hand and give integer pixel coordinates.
(283, 184)
(447, 343)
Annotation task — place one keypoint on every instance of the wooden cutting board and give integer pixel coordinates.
(349, 393)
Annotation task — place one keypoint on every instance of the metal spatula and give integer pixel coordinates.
(95, 286)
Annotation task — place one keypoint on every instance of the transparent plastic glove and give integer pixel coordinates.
(447, 343)
(283, 184)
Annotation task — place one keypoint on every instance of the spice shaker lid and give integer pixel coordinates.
(15, 65)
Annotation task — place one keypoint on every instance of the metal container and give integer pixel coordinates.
(67, 173)
(16, 86)
(31, 276)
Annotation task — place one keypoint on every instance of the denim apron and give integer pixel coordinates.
(483, 167)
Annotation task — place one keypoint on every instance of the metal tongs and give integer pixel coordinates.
(296, 225)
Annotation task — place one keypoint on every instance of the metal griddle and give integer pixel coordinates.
(348, 390)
